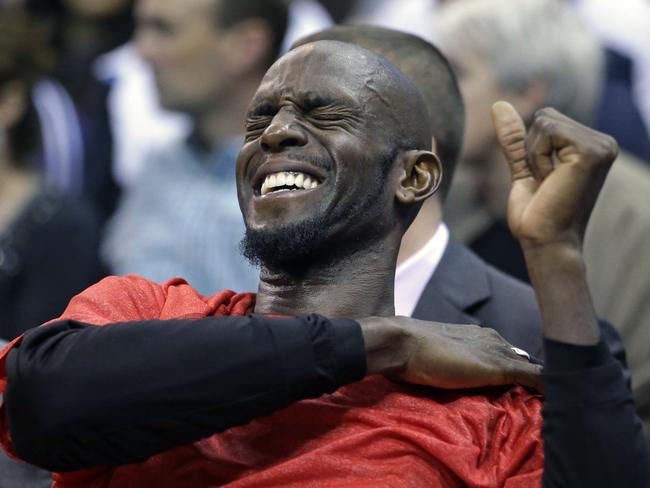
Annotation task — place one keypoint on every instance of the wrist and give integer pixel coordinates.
(558, 274)
(561, 249)
(554, 259)
(385, 344)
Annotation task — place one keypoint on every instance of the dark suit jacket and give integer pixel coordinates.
(465, 289)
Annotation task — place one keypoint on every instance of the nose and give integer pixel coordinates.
(283, 132)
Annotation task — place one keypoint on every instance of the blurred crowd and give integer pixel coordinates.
(120, 122)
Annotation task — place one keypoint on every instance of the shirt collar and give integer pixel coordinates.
(412, 276)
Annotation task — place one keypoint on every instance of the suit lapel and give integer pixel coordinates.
(458, 284)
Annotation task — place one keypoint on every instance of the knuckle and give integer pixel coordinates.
(602, 148)
(544, 124)
(610, 146)
(545, 112)
(495, 335)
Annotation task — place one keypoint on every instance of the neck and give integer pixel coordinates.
(421, 230)
(225, 119)
(360, 285)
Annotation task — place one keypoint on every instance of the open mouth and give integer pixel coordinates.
(282, 181)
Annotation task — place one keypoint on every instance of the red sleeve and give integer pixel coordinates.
(117, 299)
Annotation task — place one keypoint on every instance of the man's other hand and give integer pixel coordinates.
(557, 170)
(444, 355)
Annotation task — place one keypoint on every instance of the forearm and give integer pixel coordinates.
(592, 436)
(557, 273)
(131, 390)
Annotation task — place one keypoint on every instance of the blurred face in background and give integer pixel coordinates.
(480, 89)
(186, 49)
(483, 165)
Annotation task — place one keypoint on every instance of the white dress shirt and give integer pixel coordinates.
(413, 274)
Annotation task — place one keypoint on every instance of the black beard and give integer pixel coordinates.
(296, 247)
(286, 248)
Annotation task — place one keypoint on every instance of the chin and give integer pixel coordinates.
(286, 246)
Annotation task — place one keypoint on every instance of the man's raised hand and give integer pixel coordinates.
(557, 170)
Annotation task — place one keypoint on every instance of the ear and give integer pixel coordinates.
(420, 178)
(248, 44)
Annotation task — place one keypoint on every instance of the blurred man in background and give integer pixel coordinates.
(78, 154)
(536, 53)
(181, 217)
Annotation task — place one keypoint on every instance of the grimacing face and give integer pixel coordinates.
(322, 135)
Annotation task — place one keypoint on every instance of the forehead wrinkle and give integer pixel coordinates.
(293, 78)
(356, 72)
(374, 84)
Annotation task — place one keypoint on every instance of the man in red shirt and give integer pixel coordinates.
(334, 167)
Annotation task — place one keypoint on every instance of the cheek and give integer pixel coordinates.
(242, 170)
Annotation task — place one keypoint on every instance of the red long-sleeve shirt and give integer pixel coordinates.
(371, 433)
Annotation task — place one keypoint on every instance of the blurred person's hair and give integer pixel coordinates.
(274, 12)
(25, 59)
(428, 69)
(530, 40)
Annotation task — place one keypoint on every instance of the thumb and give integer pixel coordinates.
(511, 133)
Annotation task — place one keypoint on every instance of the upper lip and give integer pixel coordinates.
(275, 165)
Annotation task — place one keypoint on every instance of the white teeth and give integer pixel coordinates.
(282, 179)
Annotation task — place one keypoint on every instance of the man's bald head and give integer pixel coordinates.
(428, 69)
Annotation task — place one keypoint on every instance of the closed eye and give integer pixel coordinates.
(255, 126)
(332, 115)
